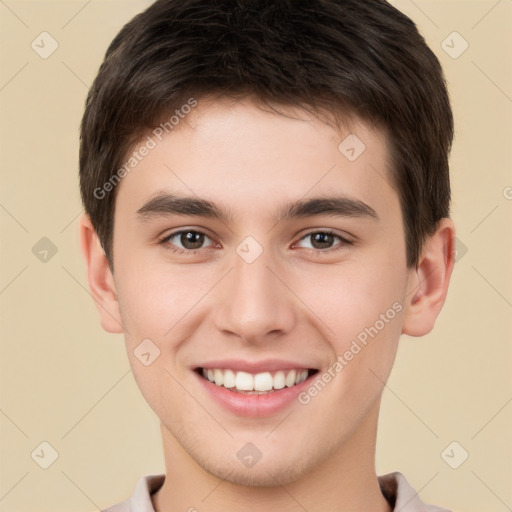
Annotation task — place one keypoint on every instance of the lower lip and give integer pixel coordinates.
(254, 406)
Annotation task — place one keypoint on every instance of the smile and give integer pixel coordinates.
(259, 383)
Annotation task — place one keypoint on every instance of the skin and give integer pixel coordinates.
(290, 303)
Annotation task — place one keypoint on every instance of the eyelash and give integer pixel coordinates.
(177, 250)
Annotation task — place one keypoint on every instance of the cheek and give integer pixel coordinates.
(163, 302)
(349, 297)
(359, 303)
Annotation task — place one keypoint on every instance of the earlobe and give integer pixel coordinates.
(428, 283)
(101, 280)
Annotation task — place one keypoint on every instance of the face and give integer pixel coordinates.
(290, 265)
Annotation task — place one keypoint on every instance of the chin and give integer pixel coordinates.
(264, 473)
(265, 476)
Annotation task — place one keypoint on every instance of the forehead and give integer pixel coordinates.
(244, 156)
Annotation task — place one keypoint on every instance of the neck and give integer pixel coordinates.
(345, 481)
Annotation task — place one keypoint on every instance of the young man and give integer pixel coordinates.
(266, 196)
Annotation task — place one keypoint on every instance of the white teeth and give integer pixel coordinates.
(258, 383)
(219, 377)
(279, 380)
(290, 378)
(263, 382)
(244, 381)
(229, 379)
(301, 376)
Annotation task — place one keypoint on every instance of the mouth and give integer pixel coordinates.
(262, 383)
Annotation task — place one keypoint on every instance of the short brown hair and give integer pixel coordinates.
(347, 56)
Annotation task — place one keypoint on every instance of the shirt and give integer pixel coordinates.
(394, 487)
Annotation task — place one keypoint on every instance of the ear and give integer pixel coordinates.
(101, 280)
(428, 282)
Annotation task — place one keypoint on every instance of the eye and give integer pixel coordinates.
(190, 240)
(321, 241)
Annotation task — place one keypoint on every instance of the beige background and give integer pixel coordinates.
(66, 382)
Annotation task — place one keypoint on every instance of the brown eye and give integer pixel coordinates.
(324, 240)
(186, 240)
(191, 239)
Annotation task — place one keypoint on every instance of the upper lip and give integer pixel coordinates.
(266, 365)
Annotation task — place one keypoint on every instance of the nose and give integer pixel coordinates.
(256, 303)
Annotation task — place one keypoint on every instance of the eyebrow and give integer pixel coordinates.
(337, 206)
